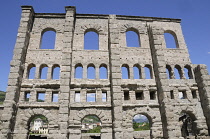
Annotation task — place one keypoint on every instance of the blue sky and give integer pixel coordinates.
(195, 15)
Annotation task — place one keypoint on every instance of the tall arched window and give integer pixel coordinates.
(171, 39)
(178, 72)
(169, 72)
(31, 71)
(78, 71)
(43, 71)
(188, 72)
(132, 38)
(48, 39)
(148, 72)
(91, 74)
(136, 72)
(56, 72)
(91, 41)
(103, 72)
(125, 71)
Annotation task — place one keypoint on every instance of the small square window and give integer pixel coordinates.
(152, 95)
(55, 97)
(77, 96)
(139, 95)
(104, 96)
(172, 94)
(27, 96)
(194, 94)
(126, 95)
(182, 95)
(40, 96)
(91, 97)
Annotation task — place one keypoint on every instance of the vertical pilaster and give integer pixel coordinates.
(115, 78)
(16, 73)
(64, 99)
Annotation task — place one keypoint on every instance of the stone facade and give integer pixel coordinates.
(160, 103)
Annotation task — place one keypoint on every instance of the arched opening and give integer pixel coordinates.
(170, 39)
(188, 126)
(132, 38)
(148, 72)
(43, 71)
(55, 72)
(31, 71)
(91, 74)
(48, 39)
(91, 124)
(125, 71)
(188, 72)
(178, 72)
(38, 127)
(141, 122)
(78, 71)
(91, 40)
(136, 72)
(103, 72)
(169, 72)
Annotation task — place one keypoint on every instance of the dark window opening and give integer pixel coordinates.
(194, 94)
(172, 94)
(152, 95)
(182, 95)
(104, 96)
(126, 95)
(139, 95)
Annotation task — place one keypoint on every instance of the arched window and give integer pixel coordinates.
(136, 72)
(48, 39)
(91, 41)
(43, 71)
(178, 72)
(188, 127)
(91, 124)
(78, 71)
(169, 72)
(31, 71)
(56, 72)
(171, 39)
(148, 72)
(188, 72)
(103, 72)
(38, 123)
(125, 71)
(91, 74)
(132, 38)
(141, 122)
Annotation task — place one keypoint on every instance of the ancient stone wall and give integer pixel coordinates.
(157, 98)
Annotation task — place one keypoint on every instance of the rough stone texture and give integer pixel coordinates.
(116, 114)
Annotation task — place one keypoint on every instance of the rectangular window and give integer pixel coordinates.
(182, 95)
(194, 94)
(139, 95)
(40, 96)
(172, 94)
(77, 96)
(54, 96)
(27, 96)
(104, 96)
(91, 97)
(152, 95)
(126, 95)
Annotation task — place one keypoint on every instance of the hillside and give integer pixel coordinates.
(2, 96)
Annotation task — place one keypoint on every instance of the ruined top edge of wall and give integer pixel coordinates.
(101, 16)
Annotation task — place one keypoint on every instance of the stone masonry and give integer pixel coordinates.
(160, 102)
